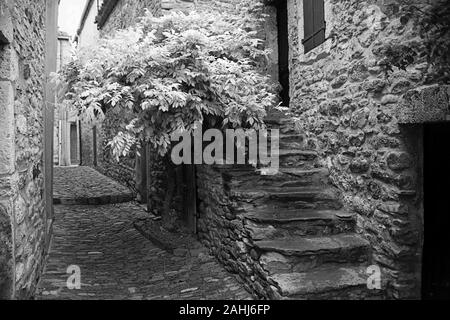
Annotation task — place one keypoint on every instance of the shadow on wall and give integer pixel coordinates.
(5, 255)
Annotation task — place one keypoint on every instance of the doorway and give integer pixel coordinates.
(74, 152)
(436, 253)
(283, 50)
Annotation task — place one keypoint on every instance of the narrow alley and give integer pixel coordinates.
(115, 260)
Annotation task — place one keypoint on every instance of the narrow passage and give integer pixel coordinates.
(115, 260)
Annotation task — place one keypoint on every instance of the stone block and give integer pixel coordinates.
(7, 154)
(6, 27)
(425, 104)
(9, 64)
(398, 161)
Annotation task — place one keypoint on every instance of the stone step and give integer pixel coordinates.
(305, 246)
(95, 200)
(300, 254)
(281, 122)
(302, 177)
(288, 158)
(297, 158)
(276, 119)
(327, 284)
(294, 145)
(269, 215)
(304, 154)
(319, 199)
(289, 197)
(286, 177)
(291, 141)
(287, 193)
(268, 224)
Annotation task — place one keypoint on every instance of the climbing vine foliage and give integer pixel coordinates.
(171, 73)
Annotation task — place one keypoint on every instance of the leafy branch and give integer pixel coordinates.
(171, 72)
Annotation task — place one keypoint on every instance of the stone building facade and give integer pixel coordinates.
(87, 33)
(347, 110)
(353, 118)
(25, 142)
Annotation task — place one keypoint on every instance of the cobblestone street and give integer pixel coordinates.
(84, 185)
(116, 261)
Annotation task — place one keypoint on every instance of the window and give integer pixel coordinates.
(314, 19)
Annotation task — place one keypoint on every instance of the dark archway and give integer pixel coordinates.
(436, 254)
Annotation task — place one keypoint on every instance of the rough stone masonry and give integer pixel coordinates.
(347, 109)
(23, 222)
(352, 116)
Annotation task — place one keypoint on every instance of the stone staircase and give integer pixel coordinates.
(304, 238)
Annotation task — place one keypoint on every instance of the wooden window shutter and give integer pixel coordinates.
(314, 18)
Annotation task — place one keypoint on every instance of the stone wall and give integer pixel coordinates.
(127, 12)
(87, 144)
(23, 223)
(123, 172)
(346, 107)
(348, 111)
(222, 228)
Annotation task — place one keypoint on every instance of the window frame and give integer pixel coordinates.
(314, 24)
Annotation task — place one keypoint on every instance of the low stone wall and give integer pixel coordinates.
(222, 229)
(124, 171)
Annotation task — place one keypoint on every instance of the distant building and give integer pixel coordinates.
(64, 49)
(67, 129)
(88, 33)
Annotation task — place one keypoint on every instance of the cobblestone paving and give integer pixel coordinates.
(84, 185)
(117, 262)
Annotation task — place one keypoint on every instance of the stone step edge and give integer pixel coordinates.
(295, 152)
(311, 193)
(292, 171)
(305, 216)
(102, 200)
(309, 155)
(322, 281)
(308, 246)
